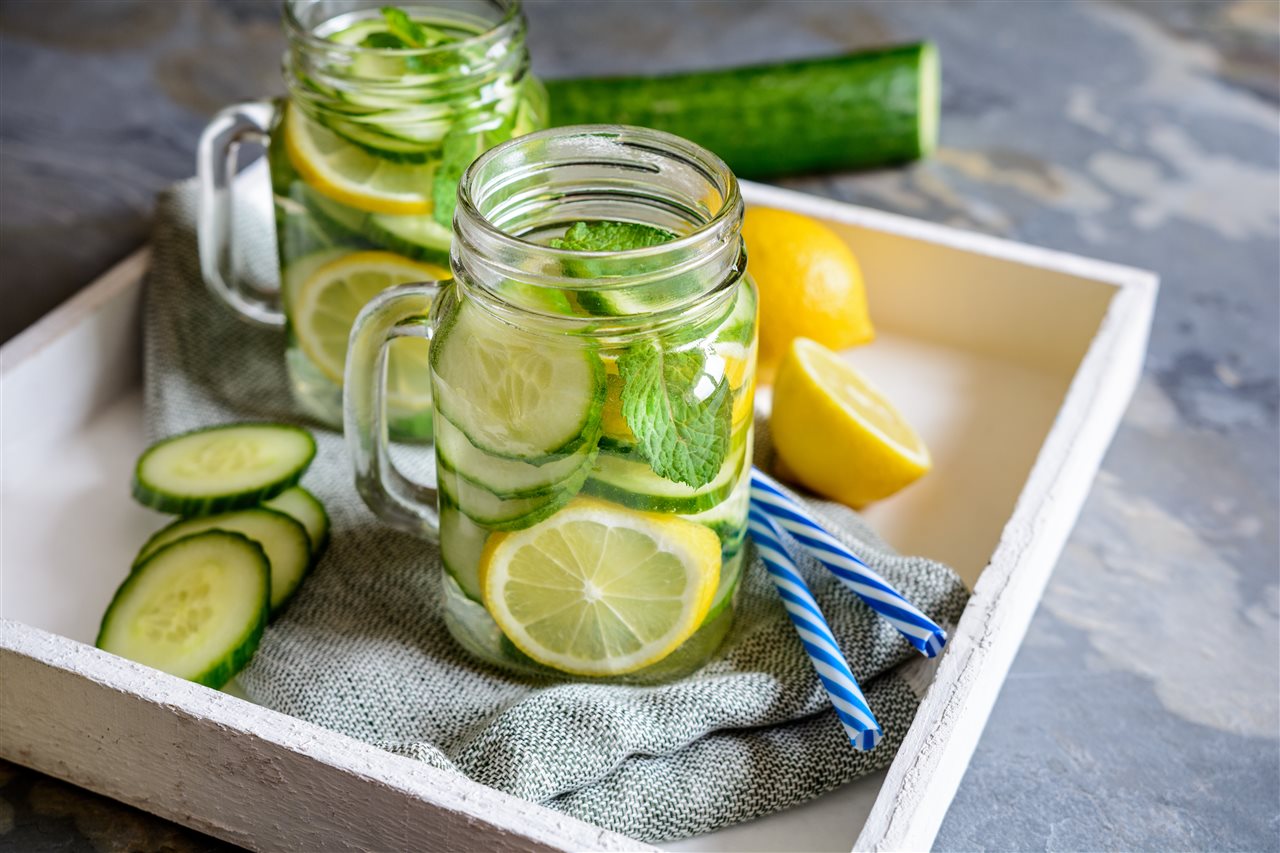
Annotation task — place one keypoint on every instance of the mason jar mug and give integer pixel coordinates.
(385, 109)
(593, 370)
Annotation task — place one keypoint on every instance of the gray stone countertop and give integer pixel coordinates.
(1142, 711)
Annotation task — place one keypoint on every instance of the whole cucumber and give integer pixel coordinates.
(857, 111)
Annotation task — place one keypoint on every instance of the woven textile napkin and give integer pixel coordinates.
(363, 649)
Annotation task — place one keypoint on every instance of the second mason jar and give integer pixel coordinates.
(386, 108)
(593, 372)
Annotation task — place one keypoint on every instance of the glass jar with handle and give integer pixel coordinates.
(386, 108)
(592, 363)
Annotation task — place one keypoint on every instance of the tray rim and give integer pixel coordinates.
(924, 775)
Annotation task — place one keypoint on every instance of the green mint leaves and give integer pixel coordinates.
(679, 413)
(606, 236)
(680, 416)
(408, 32)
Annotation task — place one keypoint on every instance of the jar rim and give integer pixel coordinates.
(506, 25)
(668, 143)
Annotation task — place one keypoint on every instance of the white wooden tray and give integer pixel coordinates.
(1014, 362)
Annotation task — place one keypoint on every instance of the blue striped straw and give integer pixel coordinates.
(833, 670)
(921, 631)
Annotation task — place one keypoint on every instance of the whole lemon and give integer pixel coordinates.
(810, 285)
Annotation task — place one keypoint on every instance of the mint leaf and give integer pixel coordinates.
(409, 31)
(608, 236)
(681, 419)
(383, 41)
(458, 149)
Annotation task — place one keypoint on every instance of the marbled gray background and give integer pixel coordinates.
(1142, 712)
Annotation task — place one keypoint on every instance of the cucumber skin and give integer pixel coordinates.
(224, 670)
(187, 506)
(858, 110)
(586, 451)
(571, 486)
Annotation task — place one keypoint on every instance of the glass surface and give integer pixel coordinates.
(365, 156)
(536, 365)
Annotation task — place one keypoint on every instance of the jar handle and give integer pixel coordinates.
(216, 171)
(396, 312)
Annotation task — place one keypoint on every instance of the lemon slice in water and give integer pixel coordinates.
(598, 589)
(325, 307)
(352, 176)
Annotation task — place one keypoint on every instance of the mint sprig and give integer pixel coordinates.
(609, 236)
(680, 416)
(411, 33)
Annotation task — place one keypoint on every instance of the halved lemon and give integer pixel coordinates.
(836, 433)
(325, 306)
(598, 589)
(350, 175)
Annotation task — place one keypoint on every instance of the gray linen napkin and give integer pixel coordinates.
(363, 650)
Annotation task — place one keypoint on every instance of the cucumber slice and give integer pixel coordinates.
(730, 575)
(506, 478)
(729, 517)
(488, 510)
(374, 140)
(195, 608)
(631, 482)
(513, 394)
(306, 509)
(217, 469)
(419, 237)
(283, 539)
(461, 542)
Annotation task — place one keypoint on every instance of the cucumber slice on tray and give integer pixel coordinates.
(307, 510)
(283, 539)
(515, 395)
(217, 469)
(195, 608)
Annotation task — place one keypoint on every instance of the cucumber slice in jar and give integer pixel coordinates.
(628, 480)
(306, 509)
(283, 539)
(505, 478)
(195, 608)
(372, 139)
(488, 510)
(514, 394)
(461, 542)
(418, 237)
(218, 469)
(729, 517)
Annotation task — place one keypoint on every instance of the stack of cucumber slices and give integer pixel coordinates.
(201, 590)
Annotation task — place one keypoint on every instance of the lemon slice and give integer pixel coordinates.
(598, 589)
(836, 433)
(325, 307)
(348, 174)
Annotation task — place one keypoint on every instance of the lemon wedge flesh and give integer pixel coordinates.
(325, 306)
(352, 176)
(836, 434)
(599, 589)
